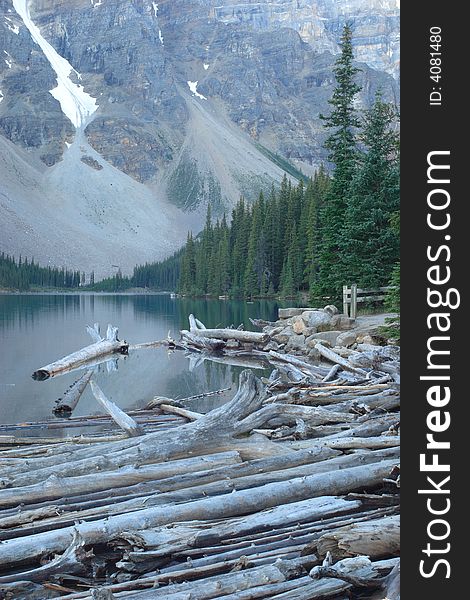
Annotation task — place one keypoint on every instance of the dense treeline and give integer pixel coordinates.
(162, 276)
(268, 248)
(22, 274)
(314, 236)
(318, 236)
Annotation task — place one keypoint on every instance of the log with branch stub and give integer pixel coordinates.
(375, 539)
(125, 422)
(100, 348)
(225, 334)
(67, 404)
(218, 507)
(238, 503)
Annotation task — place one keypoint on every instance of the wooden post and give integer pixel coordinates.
(345, 300)
(353, 301)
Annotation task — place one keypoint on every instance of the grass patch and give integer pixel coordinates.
(282, 163)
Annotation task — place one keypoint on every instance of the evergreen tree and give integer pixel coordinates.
(255, 263)
(343, 154)
(369, 244)
(315, 194)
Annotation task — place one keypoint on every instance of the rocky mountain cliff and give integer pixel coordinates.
(121, 119)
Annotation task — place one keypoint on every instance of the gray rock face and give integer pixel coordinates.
(198, 101)
(29, 115)
(320, 22)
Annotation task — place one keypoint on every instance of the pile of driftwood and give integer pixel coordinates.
(288, 491)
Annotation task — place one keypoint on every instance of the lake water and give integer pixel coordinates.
(38, 329)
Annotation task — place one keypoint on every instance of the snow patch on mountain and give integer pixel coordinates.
(193, 87)
(11, 26)
(76, 104)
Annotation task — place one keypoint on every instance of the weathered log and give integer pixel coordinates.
(267, 591)
(392, 584)
(214, 487)
(228, 358)
(55, 487)
(156, 401)
(360, 571)
(211, 433)
(315, 515)
(201, 342)
(71, 561)
(125, 422)
(331, 373)
(237, 503)
(226, 334)
(182, 412)
(339, 360)
(66, 405)
(260, 323)
(376, 539)
(99, 348)
(349, 443)
(328, 588)
(210, 587)
(301, 364)
(288, 413)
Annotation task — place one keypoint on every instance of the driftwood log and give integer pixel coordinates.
(100, 348)
(375, 539)
(198, 329)
(240, 503)
(125, 422)
(66, 405)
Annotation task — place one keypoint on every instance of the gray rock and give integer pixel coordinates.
(347, 339)
(296, 342)
(284, 336)
(316, 319)
(299, 325)
(331, 309)
(327, 336)
(272, 345)
(314, 354)
(342, 322)
(287, 313)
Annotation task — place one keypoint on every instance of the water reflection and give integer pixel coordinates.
(38, 329)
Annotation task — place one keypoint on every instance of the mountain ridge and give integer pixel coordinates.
(187, 98)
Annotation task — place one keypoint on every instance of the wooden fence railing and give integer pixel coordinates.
(353, 295)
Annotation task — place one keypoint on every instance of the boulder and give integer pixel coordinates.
(327, 336)
(331, 310)
(342, 322)
(284, 336)
(296, 342)
(314, 354)
(311, 342)
(272, 345)
(299, 325)
(347, 338)
(365, 338)
(316, 319)
(286, 313)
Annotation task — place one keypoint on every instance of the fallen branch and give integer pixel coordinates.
(99, 348)
(66, 405)
(125, 422)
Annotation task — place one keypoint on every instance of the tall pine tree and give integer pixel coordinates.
(343, 154)
(369, 243)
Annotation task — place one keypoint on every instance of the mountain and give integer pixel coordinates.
(121, 119)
